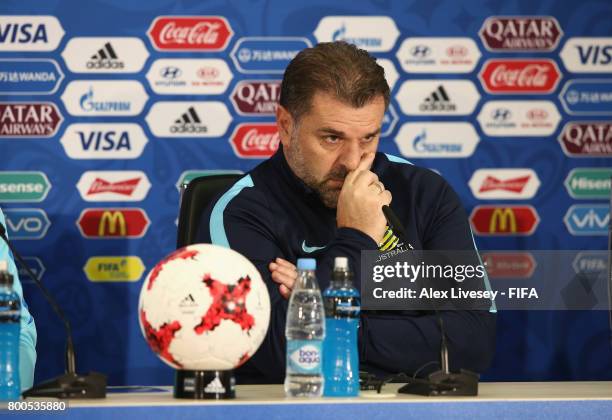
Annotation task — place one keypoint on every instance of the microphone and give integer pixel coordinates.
(70, 384)
(443, 381)
(394, 222)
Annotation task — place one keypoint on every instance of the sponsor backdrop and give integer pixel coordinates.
(106, 107)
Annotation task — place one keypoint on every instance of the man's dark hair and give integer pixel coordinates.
(338, 68)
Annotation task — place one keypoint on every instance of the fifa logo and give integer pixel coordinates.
(502, 220)
(111, 221)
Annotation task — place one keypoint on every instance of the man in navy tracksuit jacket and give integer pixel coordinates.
(321, 195)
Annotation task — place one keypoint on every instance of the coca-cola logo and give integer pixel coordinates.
(587, 139)
(255, 97)
(193, 33)
(255, 141)
(520, 76)
(520, 33)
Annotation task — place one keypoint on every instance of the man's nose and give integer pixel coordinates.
(351, 155)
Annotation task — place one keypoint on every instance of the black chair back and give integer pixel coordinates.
(196, 197)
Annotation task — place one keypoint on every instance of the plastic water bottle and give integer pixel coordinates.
(305, 331)
(340, 351)
(10, 313)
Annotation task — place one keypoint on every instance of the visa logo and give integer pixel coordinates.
(595, 54)
(105, 140)
(26, 33)
(584, 219)
(26, 223)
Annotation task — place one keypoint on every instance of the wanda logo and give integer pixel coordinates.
(520, 76)
(255, 141)
(190, 33)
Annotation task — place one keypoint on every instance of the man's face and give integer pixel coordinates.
(329, 140)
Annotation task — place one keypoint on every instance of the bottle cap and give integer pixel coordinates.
(341, 263)
(306, 264)
(6, 279)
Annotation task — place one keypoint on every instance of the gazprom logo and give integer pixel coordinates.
(371, 33)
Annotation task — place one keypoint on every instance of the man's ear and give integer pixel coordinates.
(284, 122)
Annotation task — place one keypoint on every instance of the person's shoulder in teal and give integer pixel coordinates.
(27, 339)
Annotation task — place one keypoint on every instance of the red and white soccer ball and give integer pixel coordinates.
(204, 307)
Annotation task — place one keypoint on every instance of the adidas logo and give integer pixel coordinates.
(188, 301)
(105, 58)
(189, 122)
(438, 100)
(215, 387)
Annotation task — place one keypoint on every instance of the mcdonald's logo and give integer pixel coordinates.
(113, 223)
(504, 220)
(109, 222)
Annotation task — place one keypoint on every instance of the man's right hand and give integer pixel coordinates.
(361, 200)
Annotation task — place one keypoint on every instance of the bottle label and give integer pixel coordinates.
(342, 307)
(304, 357)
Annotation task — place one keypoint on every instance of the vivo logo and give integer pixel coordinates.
(26, 223)
(585, 219)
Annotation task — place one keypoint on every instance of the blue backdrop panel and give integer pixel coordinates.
(191, 121)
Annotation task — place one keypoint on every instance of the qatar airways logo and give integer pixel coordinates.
(190, 33)
(520, 76)
(520, 33)
(113, 186)
(504, 184)
(255, 141)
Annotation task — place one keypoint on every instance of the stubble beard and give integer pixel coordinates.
(329, 195)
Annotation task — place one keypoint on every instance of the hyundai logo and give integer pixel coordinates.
(501, 114)
(420, 51)
(170, 72)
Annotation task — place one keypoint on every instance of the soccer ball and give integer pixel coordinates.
(204, 307)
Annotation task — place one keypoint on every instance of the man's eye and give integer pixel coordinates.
(369, 138)
(332, 139)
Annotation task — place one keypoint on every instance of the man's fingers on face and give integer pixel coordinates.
(364, 179)
(364, 165)
(387, 197)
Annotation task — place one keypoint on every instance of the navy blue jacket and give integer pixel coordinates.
(271, 213)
